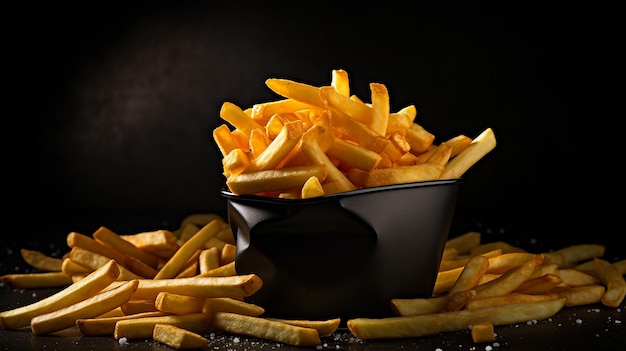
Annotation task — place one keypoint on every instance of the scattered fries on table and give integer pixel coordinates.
(319, 140)
(479, 286)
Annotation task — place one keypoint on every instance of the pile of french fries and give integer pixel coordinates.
(176, 286)
(318, 140)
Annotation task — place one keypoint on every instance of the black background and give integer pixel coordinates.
(109, 107)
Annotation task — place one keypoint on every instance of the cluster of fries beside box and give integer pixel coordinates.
(195, 289)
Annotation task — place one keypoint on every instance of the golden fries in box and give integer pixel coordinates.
(269, 149)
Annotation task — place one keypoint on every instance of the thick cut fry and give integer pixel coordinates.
(196, 243)
(464, 243)
(317, 156)
(296, 90)
(36, 280)
(224, 140)
(482, 333)
(358, 132)
(323, 327)
(232, 286)
(431, 324)
(495, 245)
(355, 109)
(505, 262)
(94, 306)
(395, 175)
(41, 261)
(278, 148)
(234, 115)
(275, 180)
(94, 261)
(312, 188)
(512, 298)
(138, 306)
(262, 111)
(419, 138)
(339, 81)
(480, 146)
(227, 304)
(105, 326)
(574, 277)
(178, 304)
(77, 240)
(106, 236)
(142, 328)
(380, 108)
(539, 285)
(458, 144)
(265, 329)
(178, 338)
(613, 280)
(580, 295)
(162, 243)
(471, 273)
(460, 262)
(575, 254)
(87, 287)
(510, 280)
(354, 154)
(72, 268)
(209, 259)
(419, 306)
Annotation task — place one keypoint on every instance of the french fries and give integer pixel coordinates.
(479, 286)
(269, 149)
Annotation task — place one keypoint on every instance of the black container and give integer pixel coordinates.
(343, 255)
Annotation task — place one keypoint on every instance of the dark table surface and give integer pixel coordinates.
(574, 328)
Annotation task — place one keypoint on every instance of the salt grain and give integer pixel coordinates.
(579, 321)
(123, 341)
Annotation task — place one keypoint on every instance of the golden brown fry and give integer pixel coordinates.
(234, 115)
(224, 139)
(275, 180)
(460, 262)
(339, 81)
(471, 273)
(296, 90)
(539, 285)
(457, 300)
(178, 338)
(312, 188)
(395, 175)
(84, 242)
(464, 243)
(94, 261)
(495, 245)
(324, 327)
(196, 243)
(278, 148)
(512, 298)
(107, 237)
(142, 328)
(78, 291)
(482, 333)
(262, 111)
(36, 280)
(227, 304)
(228, 254)
(613, 280)
(354, 155)
(91, 307)
(580, 295)
(431, 324)
(138, 306)
(72, 268)
(575, 277)
(419, 306)
(575, 254)
(265, 329)
(105, 326)
(178, 304)
(458, 144)
(480, 146)
(41, 261)
(419, 138)
(505, 262)
(162, 243)
(380, 108)
(232, 286)
(510, 280)
(209, 259)
(355, 109)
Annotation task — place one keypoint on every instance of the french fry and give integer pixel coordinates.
(575, 277)
(107, 237)
(539, 284)
(143, 328)
(71, 268)
(225, 270)
(239, 119)
(94, 261)
(209, 259)
(482, 333)
(431, 324)
(178, 338)
(265, 329)
(470, 275)
(41, 261)
(505, 262)
(355, 109)
(395, 175)
(105, 326)
(480, 146)
(324, 327)
(458, 144)
(311, 188)
(188, 249)
(296, 90)
(162, 243)
(138, 306)
(278, 148)
(228, 254)
(228, 304)
(74, 293)
(510, 280)
(36, 280)
(464, 243)
(613, 280)
(495, 245)
(275, 180)
(178, 304)
(580, 295)
(575, 254)
(232, 286)
(512, 298)
(418, 306)
(91, 307)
